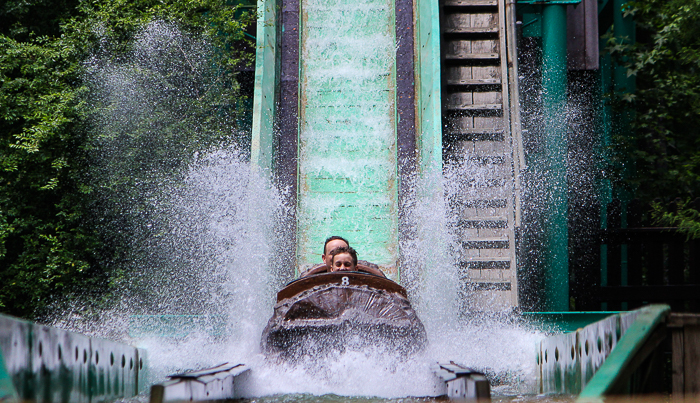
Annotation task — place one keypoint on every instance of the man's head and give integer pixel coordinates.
(343, 259)
(332, 243)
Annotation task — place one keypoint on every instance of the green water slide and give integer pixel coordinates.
(332, 124)
(348, 181)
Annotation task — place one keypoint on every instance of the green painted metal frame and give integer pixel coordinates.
(645, 333)
(266, 80)
(428, 88)
(554, 100)
(600, 358)
(548, 20)
(46, 364)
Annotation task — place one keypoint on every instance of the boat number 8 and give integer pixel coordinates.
(345, 280)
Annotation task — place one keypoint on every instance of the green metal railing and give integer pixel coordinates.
(602, 358)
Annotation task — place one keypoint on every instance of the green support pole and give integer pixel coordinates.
(266, 53)
(554, 82)
(428, 91)
(624, 31)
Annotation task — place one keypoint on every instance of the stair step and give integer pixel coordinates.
(477, 128)
(476, 135)
(484, 203)
(487, 160)
(471, 30)
(471, 3)
(484, 222)
(486, 264)
(489, 286)
(475, 107)
(486, 243)
(480, 81)
(474, 56)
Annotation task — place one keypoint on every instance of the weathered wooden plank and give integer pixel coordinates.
(677, 362)
(472, 30)
(46, 364)
(485, 81)
(515, 123)
(655, 258)
(472, 3)
(464, 22)
(486, 264)
(583, 36)
(463, 106)
(691, 358)
(486, 72)
(486, 243)
(472, 49)
(472, 56)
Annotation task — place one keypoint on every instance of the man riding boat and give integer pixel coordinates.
(340, 304)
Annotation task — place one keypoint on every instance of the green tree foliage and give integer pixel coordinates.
(664, 144)
(663, 149)
(50, 242)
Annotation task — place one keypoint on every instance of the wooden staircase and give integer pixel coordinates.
(481, 136)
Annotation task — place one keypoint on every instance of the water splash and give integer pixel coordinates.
(203, 240)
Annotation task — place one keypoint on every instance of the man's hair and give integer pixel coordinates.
(343, 249)
(333, 238)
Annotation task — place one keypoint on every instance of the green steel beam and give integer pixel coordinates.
(634, 345)
(428, 82)
(428, 88)
(604, 188)
(347, 156)
(266, 79)
(624, 31)
(554, 82)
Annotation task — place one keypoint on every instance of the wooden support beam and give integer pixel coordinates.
(685, 346)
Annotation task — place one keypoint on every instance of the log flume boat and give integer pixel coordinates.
(342, 310)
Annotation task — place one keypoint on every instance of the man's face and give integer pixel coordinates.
(336, 243)
(343, 262)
